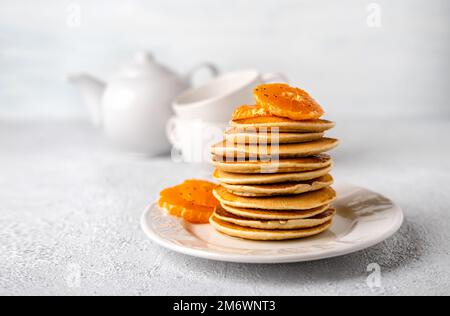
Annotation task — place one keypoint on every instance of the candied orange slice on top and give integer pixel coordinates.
(193, 200)
(249, 111)
(282, 100)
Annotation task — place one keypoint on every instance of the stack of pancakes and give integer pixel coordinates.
(278, 191)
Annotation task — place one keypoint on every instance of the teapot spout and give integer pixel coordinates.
(92, 90)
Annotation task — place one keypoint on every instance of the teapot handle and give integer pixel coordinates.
(213, 70)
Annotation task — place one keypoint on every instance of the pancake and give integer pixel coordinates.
(239, 178)
(281, 166)
(265, 234)
(275, 215)
(238, 137)
(227, 149)
(302, 201)
(317, 220)
(286, 188)
(282, 124)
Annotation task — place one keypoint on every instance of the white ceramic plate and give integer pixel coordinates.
(364, 219)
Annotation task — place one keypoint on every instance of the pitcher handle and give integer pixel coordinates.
(171, 127)
(213, 70)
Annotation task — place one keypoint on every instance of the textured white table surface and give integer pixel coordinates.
(70, 208)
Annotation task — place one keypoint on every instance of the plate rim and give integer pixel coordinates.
(266, 259)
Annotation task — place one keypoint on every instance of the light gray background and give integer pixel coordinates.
(324, 46)
(70, 204)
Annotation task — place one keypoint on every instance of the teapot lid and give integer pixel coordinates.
(144, 64)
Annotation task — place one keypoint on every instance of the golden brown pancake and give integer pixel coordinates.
(317, 220)
(239, 178)
(275, 215)
(228, 149)
(276, 166)
(286, 188)
(282, 124)
(261, 137)
(265, 234)
(302, 201)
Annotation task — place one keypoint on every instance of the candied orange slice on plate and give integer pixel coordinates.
(190, 212)
(192, 200)
(199, 192)
(284, 101)
(196, 216)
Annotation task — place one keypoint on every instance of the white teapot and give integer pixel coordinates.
(134, 107)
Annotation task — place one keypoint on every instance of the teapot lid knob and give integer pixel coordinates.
(144, 57)
(143, 64)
